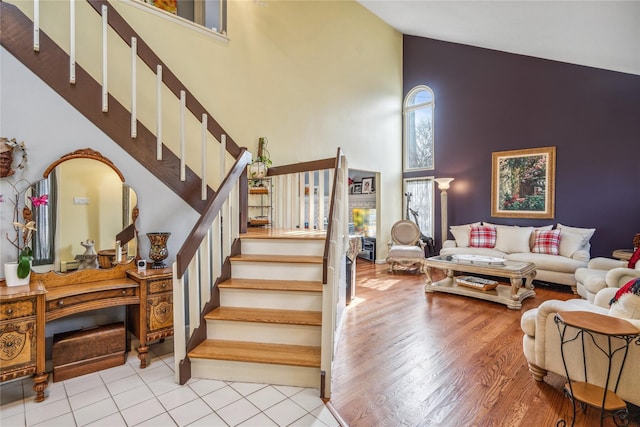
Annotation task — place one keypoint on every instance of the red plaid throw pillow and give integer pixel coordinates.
(482, 236)
(547, 242)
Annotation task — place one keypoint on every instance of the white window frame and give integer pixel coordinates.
(430, 223)
(406, 109)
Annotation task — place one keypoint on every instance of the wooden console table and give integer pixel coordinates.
(24, 311)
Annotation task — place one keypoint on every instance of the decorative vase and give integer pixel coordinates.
(158, 252)
(11, 275)
(257, 170)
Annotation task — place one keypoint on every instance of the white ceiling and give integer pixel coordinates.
(603, 34)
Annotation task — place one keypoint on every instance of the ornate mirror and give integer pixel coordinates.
(89, 208)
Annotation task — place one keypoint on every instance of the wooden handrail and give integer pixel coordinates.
(149, 57)
(199, 231)
(51, 65)
(313, 165)
(325, 256)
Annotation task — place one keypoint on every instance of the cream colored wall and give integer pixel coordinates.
(311, 76)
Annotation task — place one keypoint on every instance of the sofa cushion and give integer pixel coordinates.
(570, 243)
(532, 239)
(586, 232)
(482, 236)
(547, 242)
(548, 262)
(472, 251)
(510, 239)
(405, 251)
(461, 233)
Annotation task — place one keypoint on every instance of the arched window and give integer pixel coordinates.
(418, 113)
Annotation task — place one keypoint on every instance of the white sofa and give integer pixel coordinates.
(516, 243)
(541, 345)
(602, 273)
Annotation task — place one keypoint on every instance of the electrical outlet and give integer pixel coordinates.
(80, 200)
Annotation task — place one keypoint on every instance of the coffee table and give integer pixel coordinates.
(511, 296)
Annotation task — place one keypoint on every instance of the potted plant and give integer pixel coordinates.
(260, 166)
(18, 273)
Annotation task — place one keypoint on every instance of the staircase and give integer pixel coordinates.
(267, 328)
(276, 320)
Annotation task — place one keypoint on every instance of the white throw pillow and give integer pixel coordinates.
(586, 232)
(461, 234)
(512, 239)
(571, 242)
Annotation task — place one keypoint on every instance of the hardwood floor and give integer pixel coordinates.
(407, 358)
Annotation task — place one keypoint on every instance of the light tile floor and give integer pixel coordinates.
(129, 396)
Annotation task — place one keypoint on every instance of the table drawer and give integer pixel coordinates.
(64, 302)
(17, 309)
(17, 345)
(159, 312)
(162, 285)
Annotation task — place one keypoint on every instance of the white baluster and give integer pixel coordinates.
(159, 113)
(183, 108)
(321, 175)
(36, 25)
(134, 79)
(105, 90)
(72, 41)
(203, 155)
(223, 156)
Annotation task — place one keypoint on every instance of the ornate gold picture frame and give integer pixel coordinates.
(523, 183)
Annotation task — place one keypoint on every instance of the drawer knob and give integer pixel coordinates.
(61, 302)
(9, 311)
(124, 292)
(164, 285)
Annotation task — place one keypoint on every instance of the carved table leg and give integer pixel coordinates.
(40, 383)
(427, 272)
(516, 284)
(142, 355)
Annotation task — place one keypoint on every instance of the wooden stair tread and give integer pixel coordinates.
(272, 285)
(242, 351)
(284, 234)
(291, 259)
(263, 315)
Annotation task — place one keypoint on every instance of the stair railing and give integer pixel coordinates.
(106, 84)
(206, 262)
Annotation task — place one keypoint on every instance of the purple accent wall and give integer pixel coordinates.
(490, 101)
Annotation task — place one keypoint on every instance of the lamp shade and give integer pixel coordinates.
(443, 183)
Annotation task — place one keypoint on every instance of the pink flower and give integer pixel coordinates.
(39, 201)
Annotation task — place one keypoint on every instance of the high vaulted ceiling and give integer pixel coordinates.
(603, 34)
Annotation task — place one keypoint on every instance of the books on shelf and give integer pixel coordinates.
(476, 283)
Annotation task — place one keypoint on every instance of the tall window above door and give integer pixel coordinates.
(418, 111)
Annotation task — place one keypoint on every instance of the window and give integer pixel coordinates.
(418, 112)
(418, 203)
(211, 14)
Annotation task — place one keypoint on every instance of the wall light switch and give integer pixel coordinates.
(80, 200)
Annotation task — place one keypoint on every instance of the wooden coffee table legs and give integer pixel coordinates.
(511, 296)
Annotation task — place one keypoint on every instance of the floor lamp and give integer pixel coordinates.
(443, 185)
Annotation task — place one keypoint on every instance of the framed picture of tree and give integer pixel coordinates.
(522, 183)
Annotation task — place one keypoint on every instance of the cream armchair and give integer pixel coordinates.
(405, 249)
(601, 273)
(541, 345)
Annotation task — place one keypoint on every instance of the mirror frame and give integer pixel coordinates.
(128, 233)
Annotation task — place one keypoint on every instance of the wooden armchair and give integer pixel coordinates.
(406, 250)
